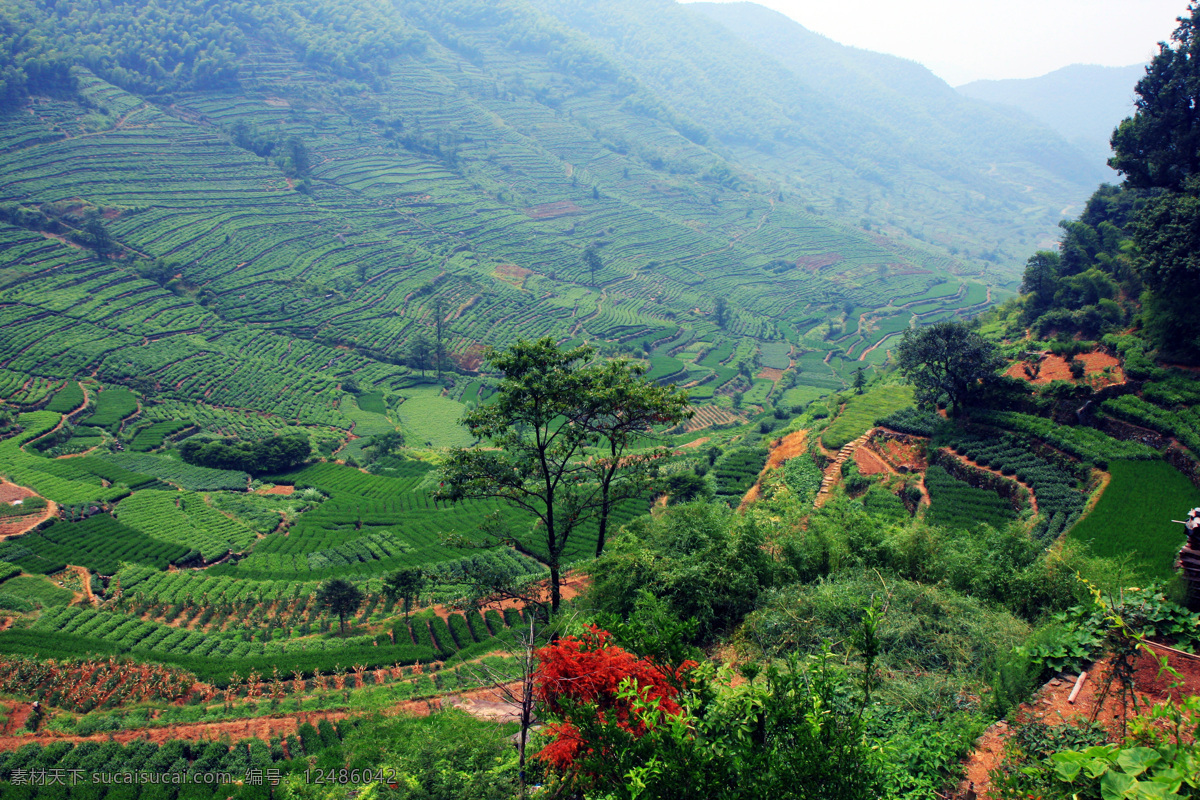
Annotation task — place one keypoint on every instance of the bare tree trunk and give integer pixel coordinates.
(555, 587)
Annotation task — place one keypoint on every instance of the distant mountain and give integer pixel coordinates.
(888, 138)
(1082, 102)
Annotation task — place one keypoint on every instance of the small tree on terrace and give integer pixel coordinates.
(946, 358)
(405, 586)
(341, 597)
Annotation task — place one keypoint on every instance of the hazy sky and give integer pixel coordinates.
(964, 40)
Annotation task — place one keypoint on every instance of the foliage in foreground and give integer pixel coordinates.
(634, 730)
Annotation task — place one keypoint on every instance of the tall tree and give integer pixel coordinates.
(1159, 146)
(591, 260)
(1167, 232)
(561, 432)
(946, 358)
(536, 459)
(341, 597)
(721, 312)
(419, 352)
(1039, 282)
(439, 342)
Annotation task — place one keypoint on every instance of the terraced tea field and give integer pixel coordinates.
(1133, 516)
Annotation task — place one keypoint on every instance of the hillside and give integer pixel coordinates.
(291, 506)
(291, 220)
(1083, 103)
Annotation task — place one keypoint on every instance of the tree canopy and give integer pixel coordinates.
(946, 358)
(341, 597)
(1159, 146)
(559, 431)
(273, 454)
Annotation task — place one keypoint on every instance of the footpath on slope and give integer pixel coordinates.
(1050, 705)
(788, 447)
(833, 473)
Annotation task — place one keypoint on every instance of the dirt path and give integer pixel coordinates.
(1050, 705)
(789, 446)
(833, 473)
(1105, 480)
(485, 703)
(85, 580)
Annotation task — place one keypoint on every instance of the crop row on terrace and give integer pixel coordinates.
(861, 412)
(187, 476)
(60, 481)
(737, 470)
(112, 406)
(1060, 502)
(1130, 519)
(425, 637)
(957, 504)
(152, 436)
(1087, 444)
(184, 519)
(1183, 424)
(67, 399)
(99, 543)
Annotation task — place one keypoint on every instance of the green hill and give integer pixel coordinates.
(245, 223)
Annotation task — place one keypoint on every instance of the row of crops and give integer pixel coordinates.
(152, 436)
(1059, 499)
(99, 543)
(423, 637)
(1183, 423)
(62, 481)
(861, 412)
(184, 519)
(957, 504)
(736, 470)
(1086, 444)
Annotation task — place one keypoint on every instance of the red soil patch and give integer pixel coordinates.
(818, 262)
(14, 526)
(1054, 368)
(564, 208)
(1050, 706)
(770, 373)
(869, 463)
(10, 492)
(512, 272)
(899, 454)
(472, 357)
(694, 443)
(789, 446)
(278, 490)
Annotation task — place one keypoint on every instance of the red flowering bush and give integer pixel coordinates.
(593, 676)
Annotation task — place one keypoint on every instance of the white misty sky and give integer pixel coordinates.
(965, 40)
